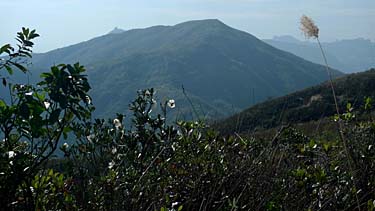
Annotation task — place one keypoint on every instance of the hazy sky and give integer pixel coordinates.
(65, 22)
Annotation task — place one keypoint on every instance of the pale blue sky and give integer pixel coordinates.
(65, 22)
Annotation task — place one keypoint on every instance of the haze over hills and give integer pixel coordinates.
(223, 70)
(351, 55)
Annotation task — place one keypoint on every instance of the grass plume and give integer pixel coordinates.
(311, 30)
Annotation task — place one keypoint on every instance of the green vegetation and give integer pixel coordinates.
(311, 104)
(151, 165)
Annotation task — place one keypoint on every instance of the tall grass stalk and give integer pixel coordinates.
(195, 111)
(309, 28)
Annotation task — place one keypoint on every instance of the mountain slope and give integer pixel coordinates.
(222, 69)
(303, 106)
(345, 55)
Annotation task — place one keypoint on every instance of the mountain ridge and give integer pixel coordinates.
(218, 66)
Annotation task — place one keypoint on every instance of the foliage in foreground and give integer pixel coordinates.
(150, 165)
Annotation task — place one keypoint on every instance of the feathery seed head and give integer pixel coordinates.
(308, 27)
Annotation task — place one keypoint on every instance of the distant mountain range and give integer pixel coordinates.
(345, 55)
(222, 69)
(303, 106)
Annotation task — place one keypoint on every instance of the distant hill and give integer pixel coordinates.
(222, 69)
(346, 55)
(286, 38)
(303, 106)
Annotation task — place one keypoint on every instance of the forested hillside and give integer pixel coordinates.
(222, 70)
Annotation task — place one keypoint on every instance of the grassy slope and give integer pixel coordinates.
(310, 104)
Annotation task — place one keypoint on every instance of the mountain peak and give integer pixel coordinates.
(204, 22)
(116, 30)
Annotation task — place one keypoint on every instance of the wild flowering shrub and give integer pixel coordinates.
(34, 120)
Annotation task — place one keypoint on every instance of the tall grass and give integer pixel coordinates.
(311, 30)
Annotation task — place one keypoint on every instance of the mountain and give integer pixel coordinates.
(345, 55)
(303, 106)
(116, 31)
(222, 69)
(286, 38)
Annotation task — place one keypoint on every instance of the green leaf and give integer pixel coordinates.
(66, 130)
(25, 53)
(33, 34)
(368, 103)
(2, 104)
(55, 70)
(9, 69)
(19, 66)
(50, 172)
(28, 43)
(36, 107)
(45, 75)
(41, 96)
(5, 48)
(71, 70)
(21, 37)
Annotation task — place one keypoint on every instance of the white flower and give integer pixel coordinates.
(111, 164)
(174, 146)
(117, 123)
(114, 150)
(171, 103)
(47, 104)
(174, 204)
(90, 138)
(65, 145)
(88, 99)
(11, 154)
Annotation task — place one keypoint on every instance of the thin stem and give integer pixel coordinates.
(191, 103)
(330, 77)
(339, 123)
